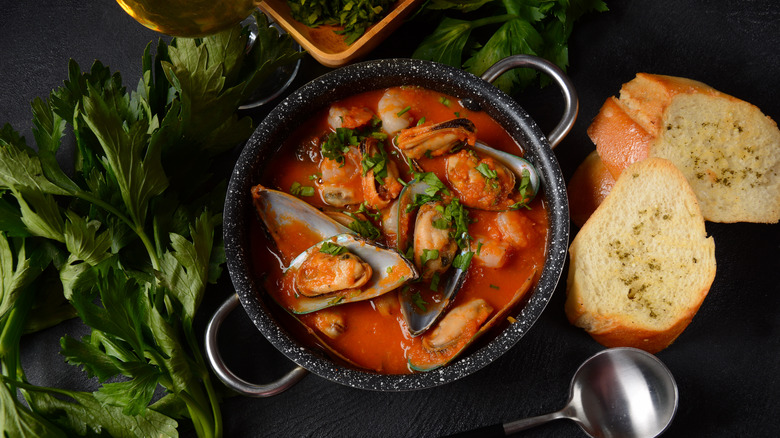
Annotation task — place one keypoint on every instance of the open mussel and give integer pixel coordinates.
(482, 177)
(344, 269)
(341, 267)
(423, 237)
(279, 209)
(459, 328)
(436, 139)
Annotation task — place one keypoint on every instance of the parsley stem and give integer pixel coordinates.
(137, 228)
(492, 20)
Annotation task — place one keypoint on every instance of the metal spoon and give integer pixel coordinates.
(618, 392)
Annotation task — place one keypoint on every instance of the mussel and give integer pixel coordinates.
(459, 328)
(518, 165)
(366, 271)
(436, 139)
(420, 317)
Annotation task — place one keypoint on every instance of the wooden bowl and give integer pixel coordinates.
(326, 46)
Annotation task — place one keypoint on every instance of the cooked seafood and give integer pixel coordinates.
(433, 140)
(387, 271)
(353, 117)
(380, 175)
(434, 247)
(340, 182)
(330, 322)
(394, 111)
(423, 270)
(460, 324)
(325, 272)
(480, 182)
(459, 328)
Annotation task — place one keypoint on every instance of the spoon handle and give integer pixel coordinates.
(506, 429)
(492, 431)
(527, 423)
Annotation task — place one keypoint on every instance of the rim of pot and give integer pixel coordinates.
(271, 134)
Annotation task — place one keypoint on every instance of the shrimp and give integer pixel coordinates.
(330, 322)
(393, 111)
(352, 117)
(341, 184)
(379, 195)
(490, 253)
(515, 228)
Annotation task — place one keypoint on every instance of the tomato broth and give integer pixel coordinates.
(372, 334)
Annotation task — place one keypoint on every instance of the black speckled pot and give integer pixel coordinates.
(353, 79)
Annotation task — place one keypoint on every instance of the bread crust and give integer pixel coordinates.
(725, 166)
(588, 187)
(595, 275)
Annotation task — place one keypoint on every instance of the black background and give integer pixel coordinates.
(726, 363)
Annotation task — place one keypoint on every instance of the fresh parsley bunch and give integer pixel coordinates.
(129, 239)
(355, 16)
(481, 32)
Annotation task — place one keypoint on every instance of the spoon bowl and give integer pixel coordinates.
(622, 392)
(616, 393)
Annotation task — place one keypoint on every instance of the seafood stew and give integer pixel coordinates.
(393, 171)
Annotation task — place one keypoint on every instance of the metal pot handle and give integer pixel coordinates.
(564, 83)
(226, 376)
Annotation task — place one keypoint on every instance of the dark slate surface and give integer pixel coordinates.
(726, 362)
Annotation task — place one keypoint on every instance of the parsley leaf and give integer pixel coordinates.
(333, 249)
(337, 144)
(355, 16)
(131, 240)
(418, 301)
(510, 28)
(299, 190)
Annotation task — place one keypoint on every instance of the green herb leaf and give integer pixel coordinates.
(299, 190)
(337, 144)
(365, 228)
(510, 28)
(333, 248)
(486, 171)
(428, 255)
(418, 301)
(462, 261)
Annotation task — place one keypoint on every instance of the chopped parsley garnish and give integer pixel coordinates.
(299, 190)
(459, 217)
(355, 16)
(463, 260)
(389, 269)
(486, 171)
(491, 176)
(337, 144)
(315, 176)
(377, 163)
(444, 101)
(493, 286)
(364, 209)
(418, 301)
(522, 189)
(365, 228)
(428, 255)
(332, 249)
(441, 224)
(420, 122)
(403, 111)
(434, 286)
(435, 186)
